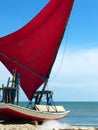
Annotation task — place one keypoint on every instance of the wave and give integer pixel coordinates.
(53, 125)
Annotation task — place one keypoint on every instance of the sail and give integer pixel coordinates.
(32, 49)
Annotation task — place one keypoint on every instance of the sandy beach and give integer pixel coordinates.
(43, 127)
(32, 127)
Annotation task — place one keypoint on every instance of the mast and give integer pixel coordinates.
(45, 83)
(42, 91)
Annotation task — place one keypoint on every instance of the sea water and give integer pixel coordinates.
(81, 113)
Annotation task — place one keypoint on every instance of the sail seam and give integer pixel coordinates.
(4, 55)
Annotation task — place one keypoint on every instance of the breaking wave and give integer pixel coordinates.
(53, 125)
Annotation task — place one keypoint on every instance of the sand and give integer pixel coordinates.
(47, 125)
(18, 127)
(41, 127)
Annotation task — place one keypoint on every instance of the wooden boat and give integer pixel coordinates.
(10, 112)
(31, 52)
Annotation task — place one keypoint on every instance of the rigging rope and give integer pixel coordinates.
(62, 59)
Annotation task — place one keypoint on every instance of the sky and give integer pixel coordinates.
(74, 75)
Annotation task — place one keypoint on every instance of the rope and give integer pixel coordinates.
(62, 59)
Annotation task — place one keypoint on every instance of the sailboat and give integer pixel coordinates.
(29, 54)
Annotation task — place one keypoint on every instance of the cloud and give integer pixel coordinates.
(82, 63)
(78, 69)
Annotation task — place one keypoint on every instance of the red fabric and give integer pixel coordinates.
(35, 45)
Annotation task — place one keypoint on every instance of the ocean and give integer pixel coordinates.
(81, 113)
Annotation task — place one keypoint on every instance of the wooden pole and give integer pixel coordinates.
(45, 84)
(17, 94)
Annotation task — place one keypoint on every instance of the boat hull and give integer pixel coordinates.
(14, 112)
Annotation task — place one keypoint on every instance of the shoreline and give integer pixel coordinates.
(46, 125)
(43, 127)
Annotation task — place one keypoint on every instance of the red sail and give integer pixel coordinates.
(32, 49)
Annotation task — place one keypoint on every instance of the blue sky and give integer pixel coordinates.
(74, 76)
